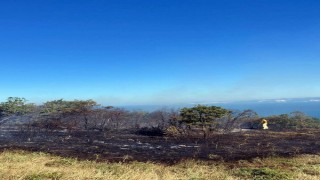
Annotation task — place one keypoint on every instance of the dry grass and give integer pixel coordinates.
(301, 167)
(34, 166)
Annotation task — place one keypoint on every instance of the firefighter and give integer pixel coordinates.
(264, 123)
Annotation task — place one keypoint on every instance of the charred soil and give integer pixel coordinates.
(126, 146)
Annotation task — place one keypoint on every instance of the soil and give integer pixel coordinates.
(126, 146)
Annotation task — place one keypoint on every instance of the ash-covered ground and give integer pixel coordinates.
(127, 146)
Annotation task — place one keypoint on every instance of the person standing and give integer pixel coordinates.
(264, 123)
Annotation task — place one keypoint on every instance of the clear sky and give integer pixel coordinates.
(127, 52)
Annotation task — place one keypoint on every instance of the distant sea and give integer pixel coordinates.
(275, 108)
(311, 108)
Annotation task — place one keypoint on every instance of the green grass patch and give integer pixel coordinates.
(263, 173)
(41, 176)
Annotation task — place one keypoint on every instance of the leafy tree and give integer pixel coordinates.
(15, 106)
(203, 115)
(293, 121)
(68, 107)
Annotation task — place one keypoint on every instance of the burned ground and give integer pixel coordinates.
(126, 146)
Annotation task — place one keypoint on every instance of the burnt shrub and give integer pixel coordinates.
(150, 131)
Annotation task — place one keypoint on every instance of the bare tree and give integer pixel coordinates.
(236, 118)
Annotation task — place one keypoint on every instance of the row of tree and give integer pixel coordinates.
(88, 115)
(79, 115)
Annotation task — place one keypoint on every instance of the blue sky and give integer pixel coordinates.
(125, 52)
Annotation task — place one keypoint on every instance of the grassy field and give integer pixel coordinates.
(36, 165)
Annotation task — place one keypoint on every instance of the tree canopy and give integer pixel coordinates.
(202, 114)
(68, 107)
(15, 105)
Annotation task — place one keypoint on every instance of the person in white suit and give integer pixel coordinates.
(264, 123)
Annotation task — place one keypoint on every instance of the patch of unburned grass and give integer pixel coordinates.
(36, 166)
(39, 176)
(300, 167)
(262, 173)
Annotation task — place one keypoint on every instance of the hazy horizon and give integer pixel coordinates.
(264, 107)
(309, 106)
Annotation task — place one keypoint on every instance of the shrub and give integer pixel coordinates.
(153, 131)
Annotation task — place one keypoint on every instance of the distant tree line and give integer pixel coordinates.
(88, 115)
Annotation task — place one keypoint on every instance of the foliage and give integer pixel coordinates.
(68, 107)
(55, 112)
(294, 120)
(172, 131)
(202, 114)
(88, 115)
(206, 116)
(15, 106)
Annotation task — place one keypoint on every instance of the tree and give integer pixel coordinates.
(137, 118)
(239, 118)
(301, 120)
(110, 117)
(116, 115)
(203, 115)
(160, 118)
(15, 106)
(68, 107)
(60, 109)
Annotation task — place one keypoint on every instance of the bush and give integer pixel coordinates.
(294, 121)
(153, 131)
(172, 131)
